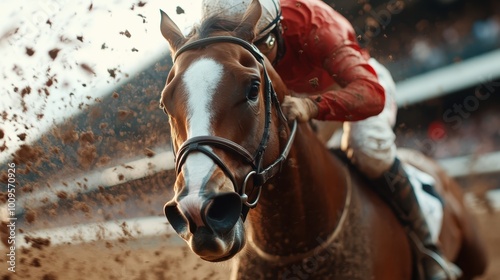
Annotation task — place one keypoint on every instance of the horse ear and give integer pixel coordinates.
(171, 32)
(247, 28)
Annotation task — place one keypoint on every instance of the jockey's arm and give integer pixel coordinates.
(360, 96)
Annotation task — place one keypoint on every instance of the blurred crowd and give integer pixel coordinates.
(476, 135)
(443, 37)
(455, 43)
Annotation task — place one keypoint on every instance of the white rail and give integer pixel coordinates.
(108, 177)
(145, 227)
(479, 70)
(137, 169)
(128, 229)
(472, 165)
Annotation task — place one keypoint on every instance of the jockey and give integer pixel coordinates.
(314, 50)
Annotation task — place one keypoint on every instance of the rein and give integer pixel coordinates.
(259, 174)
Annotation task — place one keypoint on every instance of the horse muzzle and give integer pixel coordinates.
(210, 225)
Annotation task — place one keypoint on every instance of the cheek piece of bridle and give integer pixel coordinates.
(258, 174)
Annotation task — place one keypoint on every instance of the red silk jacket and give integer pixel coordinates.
(323, 59)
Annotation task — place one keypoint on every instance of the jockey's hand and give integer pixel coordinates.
(300, 109)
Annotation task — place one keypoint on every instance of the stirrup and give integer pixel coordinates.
(449, 270)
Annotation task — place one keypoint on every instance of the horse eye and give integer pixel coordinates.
(253, 91)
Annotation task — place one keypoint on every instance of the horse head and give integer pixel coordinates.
(228, 132)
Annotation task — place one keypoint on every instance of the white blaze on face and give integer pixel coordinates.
(201, 80)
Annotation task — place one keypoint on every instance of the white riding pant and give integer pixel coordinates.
(370, 143)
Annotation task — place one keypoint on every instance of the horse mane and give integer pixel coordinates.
(217, 23)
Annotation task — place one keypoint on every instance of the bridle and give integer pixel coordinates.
(259, 174)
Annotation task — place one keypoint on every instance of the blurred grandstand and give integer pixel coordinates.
(111, 161)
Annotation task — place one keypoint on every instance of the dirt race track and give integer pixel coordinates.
(145, 259)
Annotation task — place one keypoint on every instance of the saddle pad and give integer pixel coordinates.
(430, 204)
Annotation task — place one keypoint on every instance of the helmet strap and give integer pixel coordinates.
(278, 33)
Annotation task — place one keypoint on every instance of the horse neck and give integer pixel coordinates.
(301, 207)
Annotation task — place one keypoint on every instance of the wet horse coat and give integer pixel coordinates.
(316, 218)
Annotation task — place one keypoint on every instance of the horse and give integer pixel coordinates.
(310, 216)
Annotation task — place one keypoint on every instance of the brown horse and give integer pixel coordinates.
(316, 218)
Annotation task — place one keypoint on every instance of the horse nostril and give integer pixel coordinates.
(223, 212)
(217, 212)
(175, 218)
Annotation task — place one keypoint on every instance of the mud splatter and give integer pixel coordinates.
(126, 33)
(30, 215)
(87, 137)
(87, 153)
(81, 206)
(30, 51)
(62, 195)
(36, 262)
(67, 134)
(27, 154)
(149, 153)
(124, 114)
(25, 91)
(53, 53)
(49, 276)
(37, 242)
(112, 72)
(87, 68)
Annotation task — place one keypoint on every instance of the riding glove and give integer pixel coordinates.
(300, 109)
